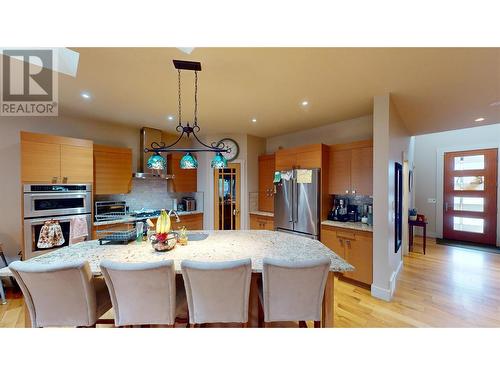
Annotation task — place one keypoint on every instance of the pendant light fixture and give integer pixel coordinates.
(188, 161)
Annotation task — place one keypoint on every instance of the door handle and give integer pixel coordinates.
(290, 216)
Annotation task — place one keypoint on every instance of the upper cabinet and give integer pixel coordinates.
(53, 159)
(112, 169)
(266, 186)
(351, 168)
(309, 156)
(185, 180)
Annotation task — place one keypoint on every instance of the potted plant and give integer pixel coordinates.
(412, 214)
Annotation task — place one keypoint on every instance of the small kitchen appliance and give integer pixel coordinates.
(189, 203)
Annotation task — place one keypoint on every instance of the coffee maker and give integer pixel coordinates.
(339, 211)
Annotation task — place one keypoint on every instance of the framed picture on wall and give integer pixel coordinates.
(398, 206)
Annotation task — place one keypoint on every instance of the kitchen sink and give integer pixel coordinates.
(197, 236)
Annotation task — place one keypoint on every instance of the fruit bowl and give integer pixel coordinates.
(164, 241)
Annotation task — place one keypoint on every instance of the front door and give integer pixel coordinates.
(227, 197)
(470, 196)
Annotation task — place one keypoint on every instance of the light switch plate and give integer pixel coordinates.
(431, 200)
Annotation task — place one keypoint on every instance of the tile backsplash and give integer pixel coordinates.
(151, 194)
(358, 200)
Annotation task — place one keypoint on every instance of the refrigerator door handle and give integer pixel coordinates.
(295, 200)
(290, 199)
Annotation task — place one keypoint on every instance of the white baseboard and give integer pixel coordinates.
(386, 294)
(394, 277)
(381, 293)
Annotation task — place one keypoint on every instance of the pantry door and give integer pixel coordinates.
(227, 197)
(470, 196)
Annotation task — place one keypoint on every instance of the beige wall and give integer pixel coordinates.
(428, 182)
(356, 129)
(392, 142)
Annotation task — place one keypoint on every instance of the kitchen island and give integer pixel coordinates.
(212, 246)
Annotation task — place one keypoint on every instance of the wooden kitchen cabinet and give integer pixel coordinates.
(362, 170)
(266, 186)
(351, 168)
(329, 239)
(40, 162)
(112, 170)
(190, 221)
(53, 159)
(355, 246)
(309, 156)
(261, 222)
(77, 163)
(185, 180)
(340, 172)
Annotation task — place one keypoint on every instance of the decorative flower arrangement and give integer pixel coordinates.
(412, 213)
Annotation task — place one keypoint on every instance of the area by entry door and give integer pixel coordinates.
(470, 196)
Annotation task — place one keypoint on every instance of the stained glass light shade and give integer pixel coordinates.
(157, 161)
(188, 161)
(219, 161)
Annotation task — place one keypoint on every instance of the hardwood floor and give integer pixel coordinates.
(447, 287)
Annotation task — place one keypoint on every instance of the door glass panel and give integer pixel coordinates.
(468, 224)
(468, 204)
(466, 163)
(464, 183)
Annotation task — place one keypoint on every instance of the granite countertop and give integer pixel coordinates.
(358, 225)
(211, 246)
(132, 219)
(262, 213)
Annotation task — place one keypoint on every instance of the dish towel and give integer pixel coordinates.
(78, 229)
(50, 235)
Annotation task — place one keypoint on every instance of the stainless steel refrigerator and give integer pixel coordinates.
(297, 202)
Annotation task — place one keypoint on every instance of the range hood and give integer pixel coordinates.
(148, 136)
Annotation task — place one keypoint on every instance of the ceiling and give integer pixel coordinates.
(434, 89)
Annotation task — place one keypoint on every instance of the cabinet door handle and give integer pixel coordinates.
(348, 243)
(341, 242)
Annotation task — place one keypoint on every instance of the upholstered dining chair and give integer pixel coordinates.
(293, 291)
(217, 292)
(62, 295)
(143, 293)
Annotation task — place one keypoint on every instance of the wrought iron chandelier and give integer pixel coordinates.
(188, 161)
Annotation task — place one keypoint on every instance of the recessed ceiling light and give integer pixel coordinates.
(170, 117)
(254, 120)
(479, 119)
(85, 95)
(304, 103)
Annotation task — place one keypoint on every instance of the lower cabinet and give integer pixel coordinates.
(190, 221)
(355, 246)
(261, 222)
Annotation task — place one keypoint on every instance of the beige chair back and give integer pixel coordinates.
(293, 291)
(141, 293)
(60, 295)
(217, 292)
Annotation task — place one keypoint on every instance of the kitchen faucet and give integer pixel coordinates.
(177, 220)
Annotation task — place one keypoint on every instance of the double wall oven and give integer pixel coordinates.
(61, 203)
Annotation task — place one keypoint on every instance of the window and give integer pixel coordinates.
(467, 163)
